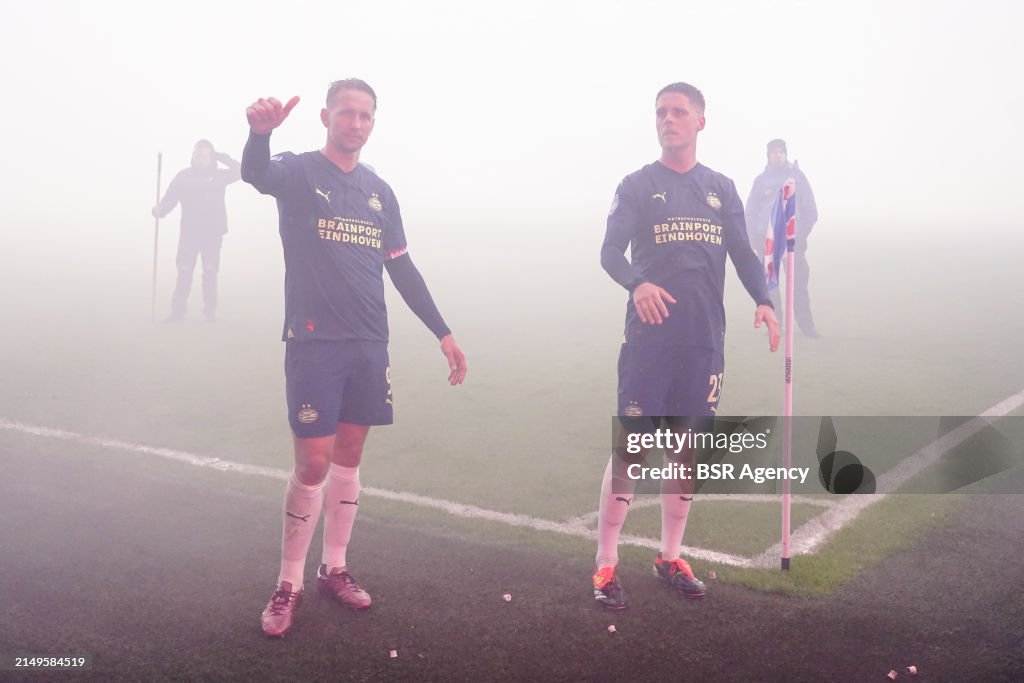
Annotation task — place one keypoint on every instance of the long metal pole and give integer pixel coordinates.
(156, 238)
(789, 191)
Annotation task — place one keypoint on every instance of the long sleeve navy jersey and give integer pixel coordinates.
(337, 230)
(679, 228)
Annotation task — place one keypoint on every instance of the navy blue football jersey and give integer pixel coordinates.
(337, 230)
(679, 228)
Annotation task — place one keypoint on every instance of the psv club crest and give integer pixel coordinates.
(308, 414)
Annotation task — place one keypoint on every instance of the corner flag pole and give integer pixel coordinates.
(789, 211)
(156, 239)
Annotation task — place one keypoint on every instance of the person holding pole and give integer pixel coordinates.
(763, 195)
(200, 190)
(340, 227)
(680, 220)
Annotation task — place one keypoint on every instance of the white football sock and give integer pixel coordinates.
(616, 495)
(341, 503)
(675, 508)
(301, 513)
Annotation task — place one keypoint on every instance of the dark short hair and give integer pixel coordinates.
(696, 96)
(777, 145)
(351, 84)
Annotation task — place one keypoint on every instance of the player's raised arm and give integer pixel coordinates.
(264, 115)
(410, 284)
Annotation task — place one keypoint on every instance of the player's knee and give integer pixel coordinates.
(348, 444)
(312, 462)
(311, 474)
(639, 424)
(682, 456)
(348, 454)
(630, 446)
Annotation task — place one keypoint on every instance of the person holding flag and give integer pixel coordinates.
(759, 213)
(780, 234)
(680, 220)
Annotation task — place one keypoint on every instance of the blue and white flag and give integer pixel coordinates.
(780, 234)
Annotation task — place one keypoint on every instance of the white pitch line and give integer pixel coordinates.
(814, 532)
(451, 507)
(167, 453)
(651, 499)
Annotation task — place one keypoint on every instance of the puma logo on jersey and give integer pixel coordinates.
(349, 502)
(304, 518)
(627, 501)
(326, 196)
(661, 196)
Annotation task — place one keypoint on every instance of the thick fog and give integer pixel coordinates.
(511, 119)
(504, 131)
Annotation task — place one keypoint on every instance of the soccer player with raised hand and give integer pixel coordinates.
(340, 227)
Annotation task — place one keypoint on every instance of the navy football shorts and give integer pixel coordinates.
(669, 381)
(328, 382)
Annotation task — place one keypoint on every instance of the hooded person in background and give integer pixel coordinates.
(758, 213)
(204, 221)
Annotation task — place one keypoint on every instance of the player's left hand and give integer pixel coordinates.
(456, 360)
(766, 315)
